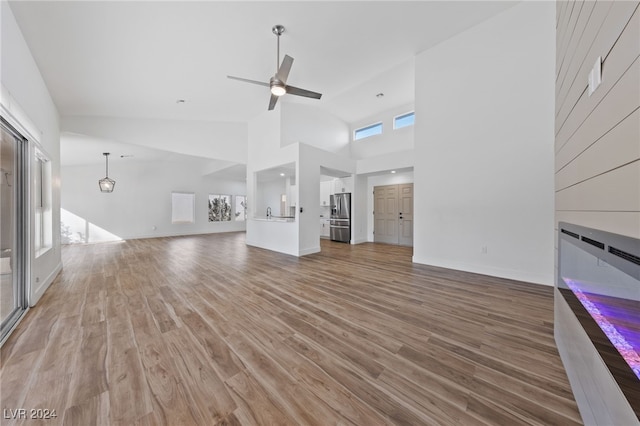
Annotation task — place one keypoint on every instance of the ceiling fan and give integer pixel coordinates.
(278, 83)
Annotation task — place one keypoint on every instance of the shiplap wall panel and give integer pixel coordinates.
(568, 35)
(597, 40)
(618, 103)
(572, 82)
(581, 50)
(572, 96)
(568, 53)
(598, 136)
(561, 6)
(618, 60)
(617, 190)
(617, 148)
(563, 29)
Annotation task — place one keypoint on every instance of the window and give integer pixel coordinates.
(241, 208)
(182, 207)
(404, 120)
(365, 132)
(219, 208)
(43, 236)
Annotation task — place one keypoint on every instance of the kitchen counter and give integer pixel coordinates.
(276, 219)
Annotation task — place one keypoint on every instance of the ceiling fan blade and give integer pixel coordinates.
(246, 80)
(272, 102)
(285, 67)
(291, 90)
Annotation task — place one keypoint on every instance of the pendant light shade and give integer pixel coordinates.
(106, 184)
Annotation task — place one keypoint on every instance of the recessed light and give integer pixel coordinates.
(393, 171)
(282, 174)
(379, 95)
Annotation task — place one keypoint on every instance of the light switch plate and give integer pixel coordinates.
(595, 76)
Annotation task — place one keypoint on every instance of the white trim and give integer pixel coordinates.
(511, 274)
(35, 296)
(311, 250)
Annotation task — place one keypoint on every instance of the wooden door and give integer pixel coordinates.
(393, 214)
(385, 214)
(405, 214)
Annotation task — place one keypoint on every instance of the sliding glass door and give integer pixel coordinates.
(13, 225)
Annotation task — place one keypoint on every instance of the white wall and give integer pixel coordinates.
(484, 147)
(313, 126)
(217, 140)
(391, 140)
(268, 148)
(264, 152)
(390, 161)
(26, 100)
(142, 198)
(381, 180)
(308, 173)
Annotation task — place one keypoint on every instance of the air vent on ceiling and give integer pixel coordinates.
(593, 242)
(623, 254)
(571, 234)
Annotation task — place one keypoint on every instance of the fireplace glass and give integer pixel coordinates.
(599, 277)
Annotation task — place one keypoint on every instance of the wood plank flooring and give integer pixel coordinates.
(203, 330)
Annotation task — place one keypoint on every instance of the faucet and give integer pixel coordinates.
(268, 212)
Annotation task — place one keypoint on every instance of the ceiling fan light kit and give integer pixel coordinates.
(278, 83)
(277, 87)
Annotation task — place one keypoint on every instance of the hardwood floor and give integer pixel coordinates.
(205, 330)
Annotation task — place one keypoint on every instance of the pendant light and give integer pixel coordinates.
(106, 184)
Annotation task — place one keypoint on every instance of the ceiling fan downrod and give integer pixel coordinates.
(278, 30)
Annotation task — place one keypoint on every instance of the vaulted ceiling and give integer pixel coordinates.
(136, 59)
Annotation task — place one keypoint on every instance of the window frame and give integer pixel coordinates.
(42, 202)
(400, 116)
(367, 127)
(173, 207)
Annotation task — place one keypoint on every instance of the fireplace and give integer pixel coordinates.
(597, 324)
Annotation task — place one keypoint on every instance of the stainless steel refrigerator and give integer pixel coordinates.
(340, 225)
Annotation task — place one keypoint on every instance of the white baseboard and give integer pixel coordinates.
(37, 292)
(310, 250)
(489, 270)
